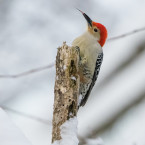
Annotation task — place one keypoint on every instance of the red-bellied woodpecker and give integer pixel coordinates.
(90, 44)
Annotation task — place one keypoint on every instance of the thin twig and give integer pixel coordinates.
(28, 72)
(44, 121)
(51, 65)
(126, 34)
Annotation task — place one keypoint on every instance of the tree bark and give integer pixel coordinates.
(66, 89)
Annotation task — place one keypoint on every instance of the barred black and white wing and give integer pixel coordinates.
(95, 76)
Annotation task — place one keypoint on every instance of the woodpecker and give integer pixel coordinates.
(90, 44)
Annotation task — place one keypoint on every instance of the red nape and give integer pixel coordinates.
(103, 33)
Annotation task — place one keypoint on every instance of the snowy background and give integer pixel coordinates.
(31, 31)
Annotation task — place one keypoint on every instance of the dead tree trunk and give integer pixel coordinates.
(66, 88)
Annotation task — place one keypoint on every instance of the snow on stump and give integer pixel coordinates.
(66, 96)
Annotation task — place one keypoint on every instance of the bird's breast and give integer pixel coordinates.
(89, 50)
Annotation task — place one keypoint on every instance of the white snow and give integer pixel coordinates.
(68, 133)
(73, 78)
(9, 133)
(96, 141)
(64, 67)
(79, 99)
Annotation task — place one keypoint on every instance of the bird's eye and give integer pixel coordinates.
(95, 30)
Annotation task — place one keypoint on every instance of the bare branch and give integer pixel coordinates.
(126, 34)
(27, 115)
(29, 72)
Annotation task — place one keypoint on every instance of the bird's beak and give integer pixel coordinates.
(87, 18)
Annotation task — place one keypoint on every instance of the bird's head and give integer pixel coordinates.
(96, 29)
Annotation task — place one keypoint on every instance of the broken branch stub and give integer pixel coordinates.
(66, 89)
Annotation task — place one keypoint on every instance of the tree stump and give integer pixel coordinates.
(66, 89)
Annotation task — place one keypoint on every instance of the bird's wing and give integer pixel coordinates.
(95, 76)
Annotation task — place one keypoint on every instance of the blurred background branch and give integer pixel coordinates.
(126, 34)
(96, 132)
(44, 121)
(29, 72)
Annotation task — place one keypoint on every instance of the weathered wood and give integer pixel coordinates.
(66, 88)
